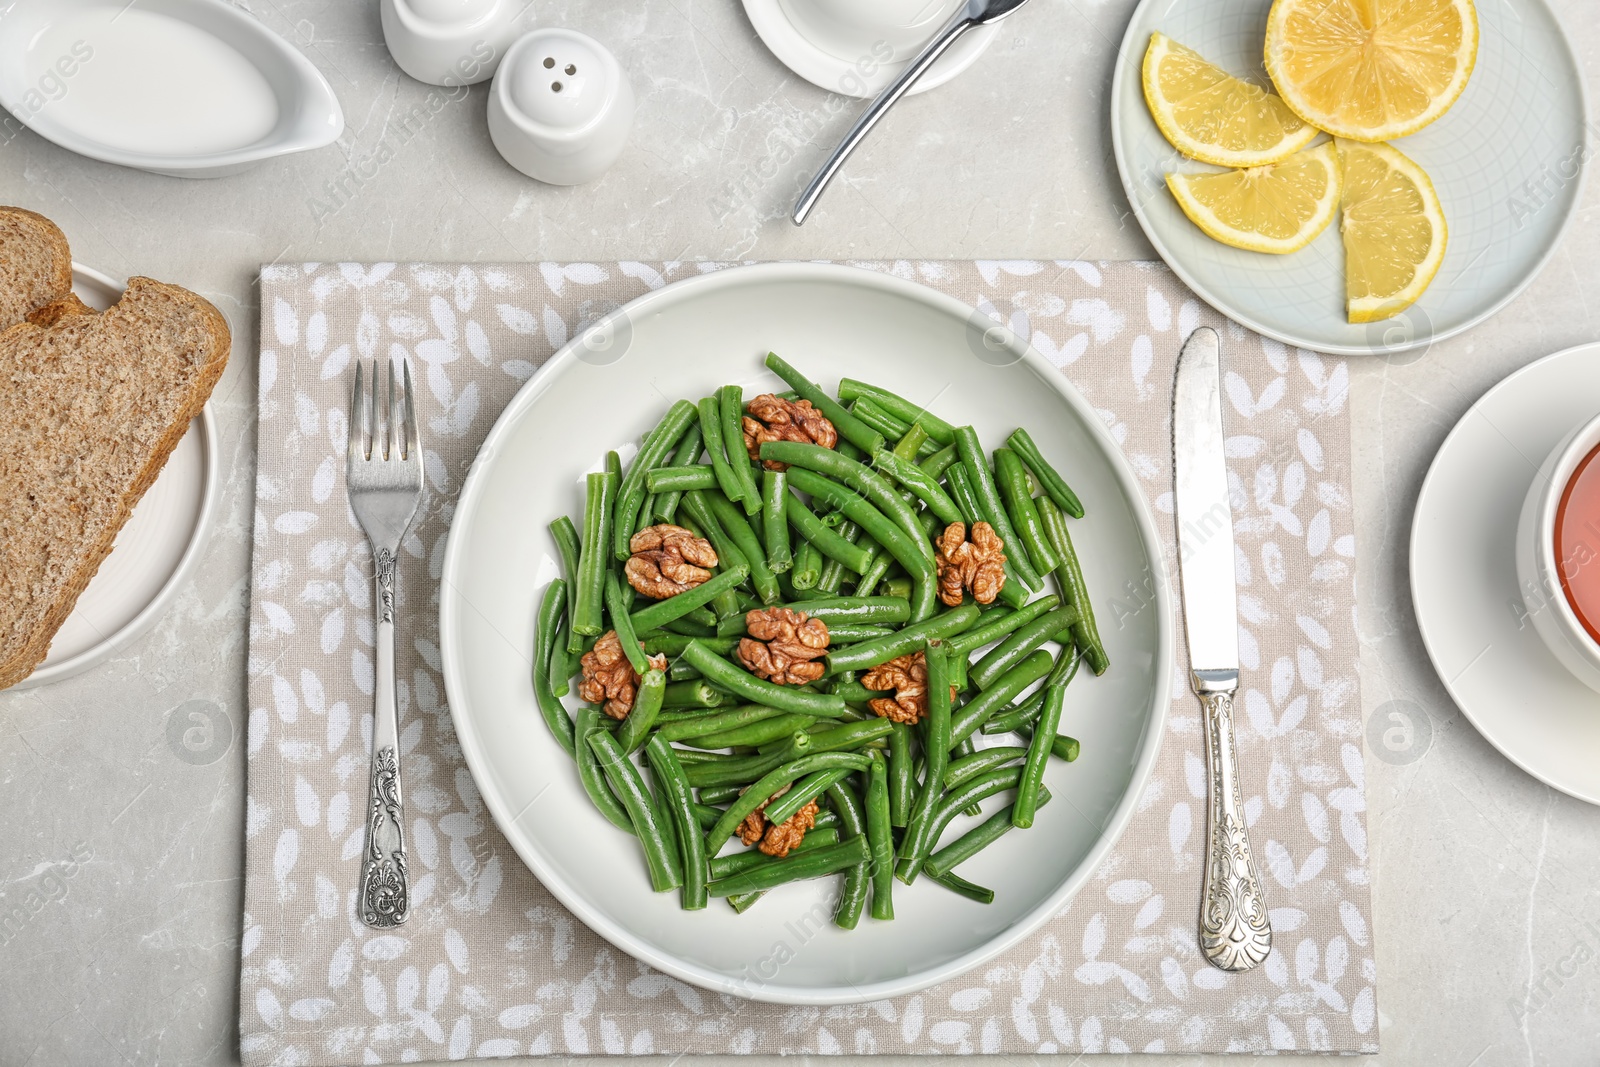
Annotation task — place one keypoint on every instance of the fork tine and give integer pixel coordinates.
(391, 417)
(413, 445)
(353, 448)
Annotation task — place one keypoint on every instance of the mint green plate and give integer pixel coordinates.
(1507, 161)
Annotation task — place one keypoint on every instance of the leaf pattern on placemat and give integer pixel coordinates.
(491, 965)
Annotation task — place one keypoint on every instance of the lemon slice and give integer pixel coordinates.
(1394, 231)
(1279, 208)
(1212, 116)
(1371, 70)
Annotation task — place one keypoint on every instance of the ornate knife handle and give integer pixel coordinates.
(1234, 932)
(385, 897)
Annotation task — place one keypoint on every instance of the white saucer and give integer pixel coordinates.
(156, 551)
(861, 77)
(1464, 578)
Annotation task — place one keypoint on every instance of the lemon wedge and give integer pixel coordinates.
(1210, 115)
(1371, 70)
(1278, 208)
(1394, 230)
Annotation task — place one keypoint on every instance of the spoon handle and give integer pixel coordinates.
(962, 21)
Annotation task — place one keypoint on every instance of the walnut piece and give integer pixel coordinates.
(784, 645)
(780, 839)
(609, 679)
(908, 677)
(667, 560)
(772, 418)
(977, 566)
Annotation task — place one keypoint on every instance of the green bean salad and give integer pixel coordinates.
(791, 621)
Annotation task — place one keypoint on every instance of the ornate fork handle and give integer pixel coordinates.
(1234, 932)
(385, 899)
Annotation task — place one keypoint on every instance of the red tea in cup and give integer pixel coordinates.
(1578, 542)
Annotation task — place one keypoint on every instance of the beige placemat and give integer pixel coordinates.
(491, 965)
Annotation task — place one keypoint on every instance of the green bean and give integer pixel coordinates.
(976, 839)
(807, 566)
(1044, 735)
(748, 687)
(963, 770)
(656, 642)
(730, 402)
(906, 641)
(802, 793)
(911, 442)
(858, 477)
(899, 407)
(646, 706)
(832, 576)
(1063, 747)
(824, 539)
(1021, 713)
(879, 419)
(676, 607)
(704, 814)
(850, 428)
(770, 783)
(631, 489)
(571, 550)
(555, 716)
(755, 555)
(844, 633)
(1013, 649)
(761, 732)
(857, 879)
(621, 622)
(775, 520)
(988, 497)
(967, 747)
(563, 664)
(688, 450)
(665, 867)
(681, 672)
(974, 792)
(914, 554)
(994, 626)
(924, 486)
(711, 430)
(965, 496)
(940, 461)
(688, 626)
(739, 862)
(681, 479)
(813, 864)
(729, 552)
(695, 693)
(1014, 490)
(669, 774)
(1066, 667)
(851, 735)
(936, 753)
(591, 776)
(731, 770)
(868, 583)
(1055, 486)
(1069, 576)
(716, 794)
(880, 838)
(715, 722)
(977, 711)
(902, 777)
(843, 611)
(961, 886)
(588, 616)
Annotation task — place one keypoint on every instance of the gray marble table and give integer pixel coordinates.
(1488, 908)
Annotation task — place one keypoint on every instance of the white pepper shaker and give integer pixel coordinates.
(560, 108)
(452, 42)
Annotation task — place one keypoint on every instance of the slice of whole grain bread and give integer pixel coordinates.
(35, 264)
(91, 406)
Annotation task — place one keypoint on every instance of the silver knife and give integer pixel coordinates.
(1234, 932)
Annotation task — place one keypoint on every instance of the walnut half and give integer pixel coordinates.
(780, 839)
(977, 566)
(908, 677)
(667, 560)
(609, 679)
(772, 418)
(784, 645)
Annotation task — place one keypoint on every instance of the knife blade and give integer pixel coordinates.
(1235, 934)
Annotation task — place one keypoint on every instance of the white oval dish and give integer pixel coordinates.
(612, 383)
(156, 552)
(189, 88)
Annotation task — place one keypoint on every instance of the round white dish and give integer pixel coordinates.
(869, 67)
(155, 553)
(452, 42)
(118, 83)
(611, 384)
(1520, 120)
(1473, 616)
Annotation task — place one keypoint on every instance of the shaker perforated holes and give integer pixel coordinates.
(562, 84)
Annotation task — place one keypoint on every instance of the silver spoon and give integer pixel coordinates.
(971, 13)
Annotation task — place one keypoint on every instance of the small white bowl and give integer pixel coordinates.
(850, 29)
(452, 42)
(1545, 603)
(560, 108)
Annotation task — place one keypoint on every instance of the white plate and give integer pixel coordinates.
(154, 554)
(609, 386)
(1521, 119)
(191, 88)
(1464, 574)
(864, 75)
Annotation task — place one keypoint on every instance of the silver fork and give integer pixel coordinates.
(383, 476)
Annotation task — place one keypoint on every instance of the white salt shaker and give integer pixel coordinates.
(452, 42)
(560, 108)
